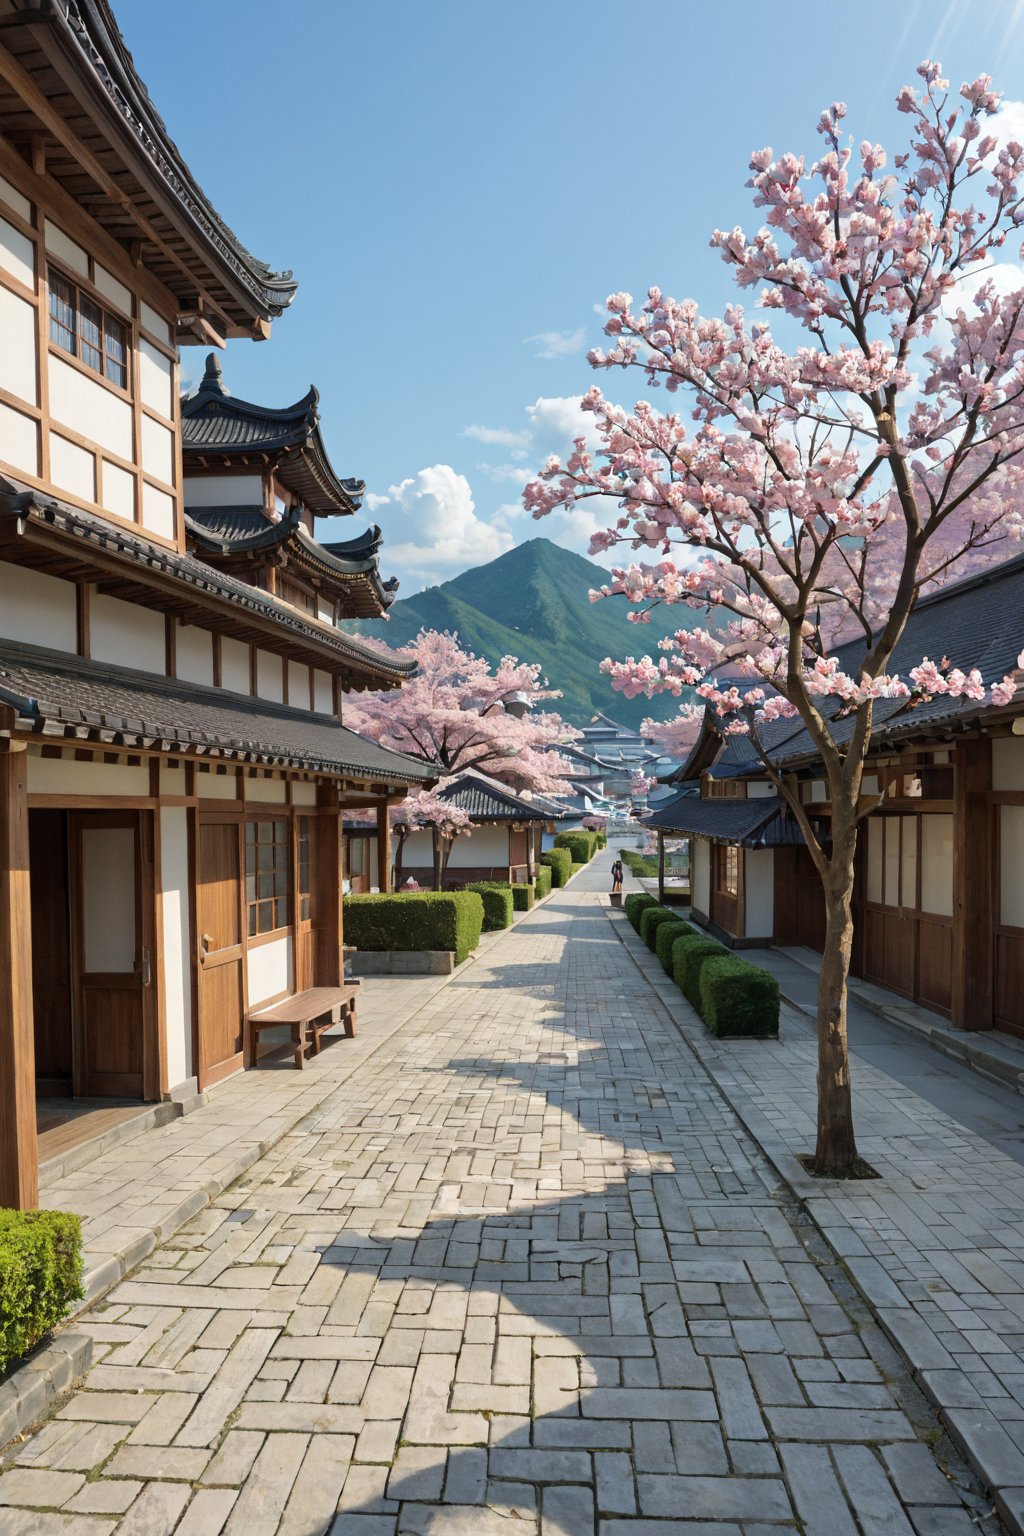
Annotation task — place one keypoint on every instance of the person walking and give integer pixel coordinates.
(616, 876)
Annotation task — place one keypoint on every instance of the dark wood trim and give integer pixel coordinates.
(973, 895)
(19, 1173)
(383, 847)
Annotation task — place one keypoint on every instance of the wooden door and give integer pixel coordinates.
(112, 903)
(304, 902)
(221, 954)
(51, 952)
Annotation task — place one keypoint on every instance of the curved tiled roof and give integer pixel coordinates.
(759, 823)
(485, 799)
(22, 502)
(55, 695)
(216, 425)
(112, 141)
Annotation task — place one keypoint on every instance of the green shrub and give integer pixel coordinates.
(559, 861)
(581, 845)
(522, 897)
(496, 896)
(416, 920)
(691, 960)
(738, 999)
(542, 883)
(650, 920)
(577, 867)
(40, 1276)
(664, 938)
(636, 904)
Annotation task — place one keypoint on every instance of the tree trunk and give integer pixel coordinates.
(399, 845)
(836, 1151)
(436, 839)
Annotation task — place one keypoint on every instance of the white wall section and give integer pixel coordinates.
(176, 947)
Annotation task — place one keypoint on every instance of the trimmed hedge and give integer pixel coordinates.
(496, 896)
(416, 920)
(650, 920)
(559, 861)
(636, 904)
(522, 897)
(664, 938)
(639, 864)
(687, 969)
(542, 884)
(581, 845)
(40, 1276)
(738, 999)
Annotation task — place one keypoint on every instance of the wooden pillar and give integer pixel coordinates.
(973, 895)
(531, 851)
(19, 1167)
(329, 864)
(661, 868)
(383, 847)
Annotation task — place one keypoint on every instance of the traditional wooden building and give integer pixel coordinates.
(173, 762)
(504, 844)
(939, 895)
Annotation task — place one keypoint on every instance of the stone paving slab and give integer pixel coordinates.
(936, 1246)
(523, 1270)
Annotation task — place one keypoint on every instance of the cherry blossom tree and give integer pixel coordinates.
(815, 491)
(459, 712)
(674, 737)
(424, 810)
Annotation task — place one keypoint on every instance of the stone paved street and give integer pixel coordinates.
(522, 1272)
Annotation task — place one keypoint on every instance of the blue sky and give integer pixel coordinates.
(456, 183)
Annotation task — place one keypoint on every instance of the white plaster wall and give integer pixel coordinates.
(72, 468)
(38, 609)
(172, 780)
(298, 685)
(118, 491)
(67, 250)
(154, 323)
(1008, 762)
(18, 352)
(19, 440)
(223, 490)
(193, 651)
(234, 665)
(700, 874)
(155, 379)
(157, 511)
(267, 791)
(111, 289)
(89, 408)
(176, 948)
(303, 793)
(15, 199)
(157, 450)
(63, 776)
(217, 786)
(487, 845)
(269, 969)
(759, 791)
(17, 254)
(418, 853)
(270, 676)
(759, 893)
(127, 634)
(323, 700)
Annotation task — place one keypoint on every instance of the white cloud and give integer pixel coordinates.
(373, 501)
(1007, 123)
(553, 344)
(500, 437)
(437, 532)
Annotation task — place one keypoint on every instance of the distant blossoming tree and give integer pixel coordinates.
(459, 712)
(818, 490)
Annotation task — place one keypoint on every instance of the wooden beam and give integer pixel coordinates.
(383, 847)
(973, 942)
(19, 1170)
(329, 868)
(661, 868)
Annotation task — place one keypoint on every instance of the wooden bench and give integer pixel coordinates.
(308, 1014)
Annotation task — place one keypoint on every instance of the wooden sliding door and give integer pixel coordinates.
(221, 951)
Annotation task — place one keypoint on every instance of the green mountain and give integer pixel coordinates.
(532, 603)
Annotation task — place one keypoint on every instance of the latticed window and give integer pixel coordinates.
(267, 876)
(79, 326)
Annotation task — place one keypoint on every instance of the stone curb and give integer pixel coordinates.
(30, 1392)
(974, 1430)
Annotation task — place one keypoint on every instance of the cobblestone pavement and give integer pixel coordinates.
(523, 1272)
